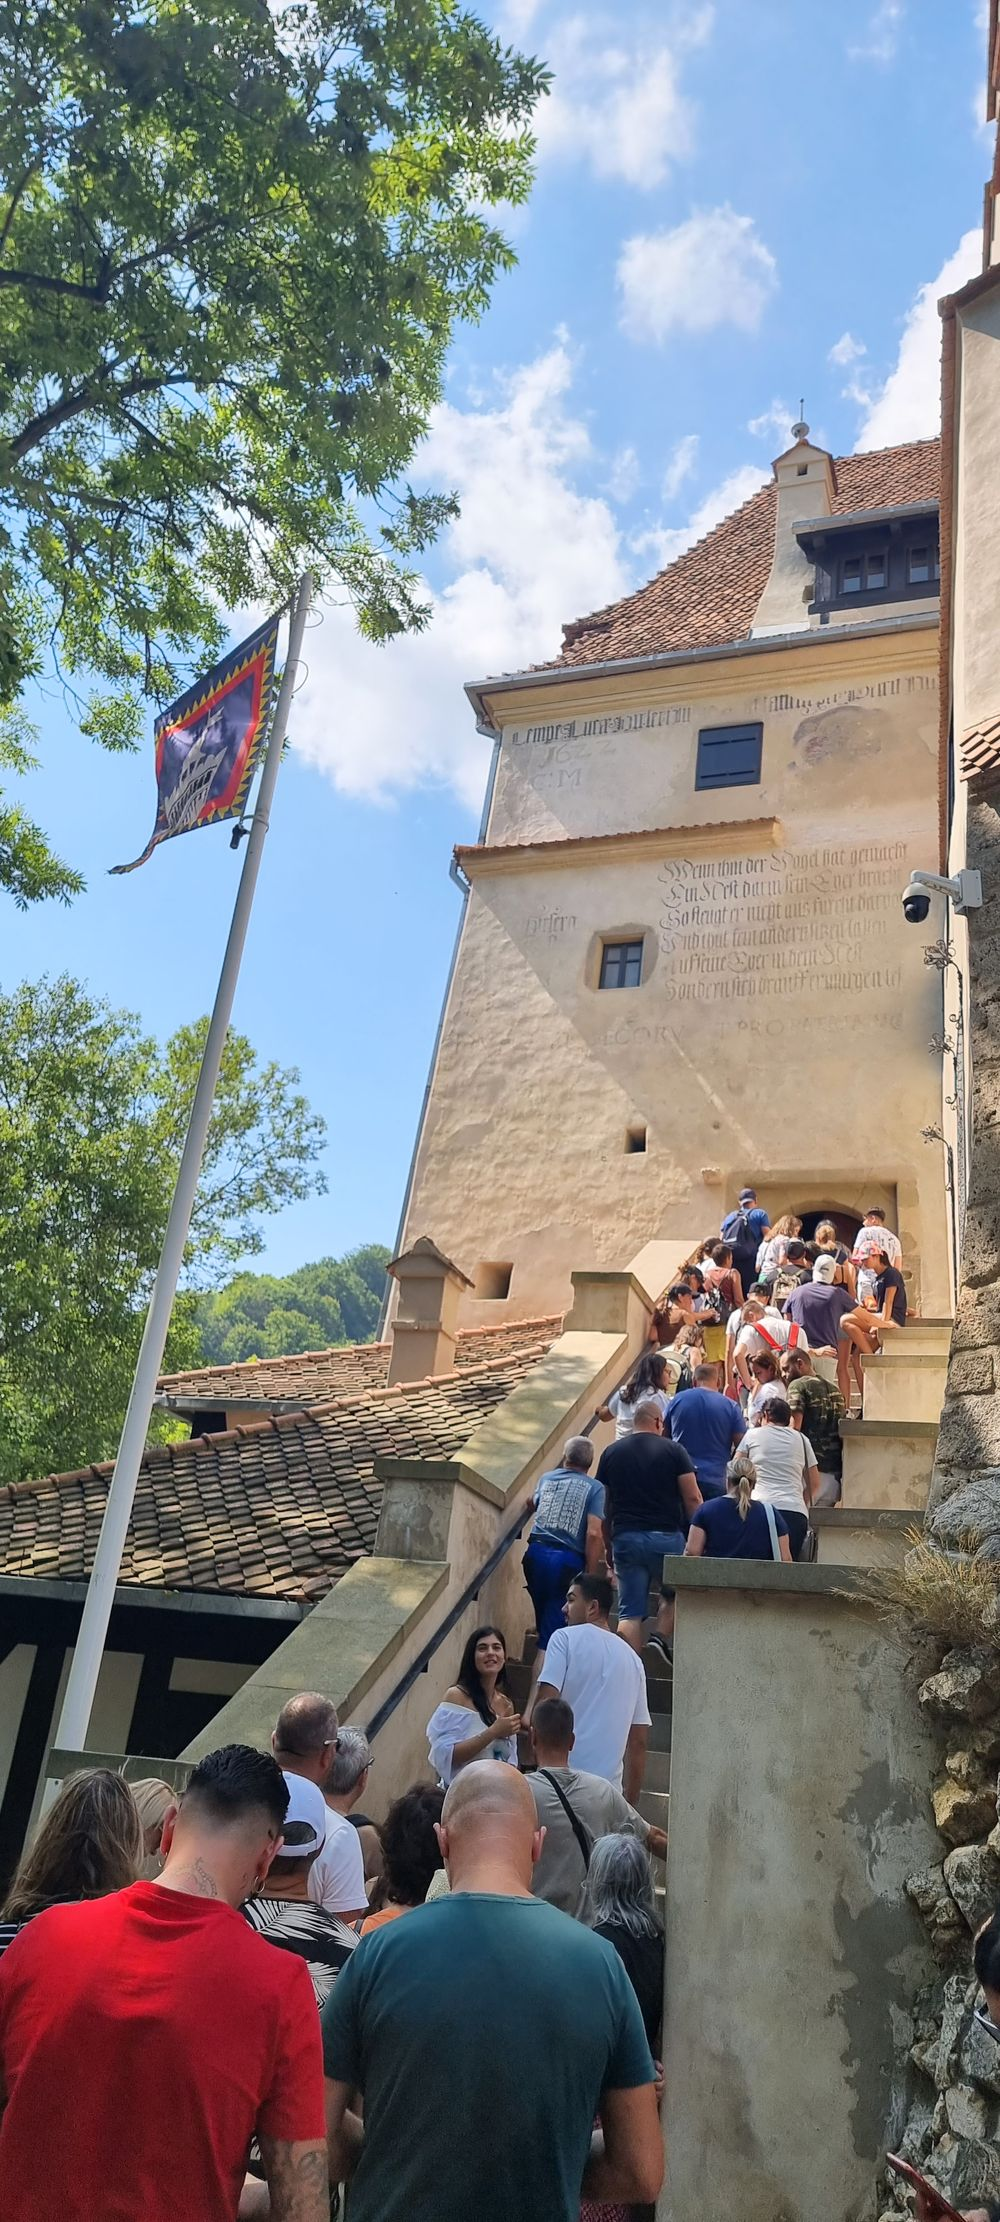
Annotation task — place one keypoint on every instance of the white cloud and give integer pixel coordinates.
(527, 552)
(665, 545)
(713, 269)
(775, 423)
(625, 475)
(881, 40)
(681, 463)
(616, 102)
(909, 404)
(847, 350)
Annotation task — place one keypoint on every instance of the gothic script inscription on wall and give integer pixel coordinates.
(806, 923)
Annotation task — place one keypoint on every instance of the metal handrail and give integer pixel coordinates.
(451, 1619)
(423, 1658)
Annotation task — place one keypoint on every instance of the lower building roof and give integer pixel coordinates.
(279, 1508)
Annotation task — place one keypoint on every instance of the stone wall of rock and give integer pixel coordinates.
(953, 2127)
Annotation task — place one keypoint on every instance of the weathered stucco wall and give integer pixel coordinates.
(799, 1805)
(782, 1024)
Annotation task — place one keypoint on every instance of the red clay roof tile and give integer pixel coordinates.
(279, 1508)
(707, 598)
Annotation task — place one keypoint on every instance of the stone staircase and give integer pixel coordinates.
(889, 1446)
(654, 1800)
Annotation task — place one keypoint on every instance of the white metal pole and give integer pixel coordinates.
(82, 1683)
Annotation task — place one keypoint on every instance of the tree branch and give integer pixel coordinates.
(73, 405)
(98, 293)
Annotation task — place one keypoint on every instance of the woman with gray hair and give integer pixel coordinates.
(618, 1904)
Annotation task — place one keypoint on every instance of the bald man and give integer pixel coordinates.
(484, 2032)
(567, 1538)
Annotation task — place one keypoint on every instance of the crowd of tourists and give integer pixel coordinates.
(242, 1998)
(238, 2000)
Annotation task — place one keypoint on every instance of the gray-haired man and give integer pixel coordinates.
(567, 1537)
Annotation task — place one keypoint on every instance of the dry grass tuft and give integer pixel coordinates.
(939, 1593)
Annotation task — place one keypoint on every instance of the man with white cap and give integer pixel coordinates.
(818, 1308)
(282, 1910)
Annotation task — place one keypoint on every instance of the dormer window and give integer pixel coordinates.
(872, 557)
(922, 564)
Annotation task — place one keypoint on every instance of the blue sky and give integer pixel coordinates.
(736, 204)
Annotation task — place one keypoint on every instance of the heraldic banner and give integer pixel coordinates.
(209, 743)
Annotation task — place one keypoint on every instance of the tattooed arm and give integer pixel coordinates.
(297, 2180)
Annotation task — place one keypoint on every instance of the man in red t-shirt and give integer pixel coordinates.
(145, 2037)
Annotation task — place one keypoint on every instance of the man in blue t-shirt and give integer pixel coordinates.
(745, 1229)
(567, 1538)
(709, 1427)
(484, 2033)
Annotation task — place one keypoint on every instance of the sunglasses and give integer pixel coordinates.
(985, 2022)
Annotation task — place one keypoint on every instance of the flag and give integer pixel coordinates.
(208, 744)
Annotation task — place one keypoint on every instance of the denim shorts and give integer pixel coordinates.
(639, 1557)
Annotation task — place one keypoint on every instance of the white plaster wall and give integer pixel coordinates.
(976, 668)
(213, 1677)
(781, 1029)
(15, 1674)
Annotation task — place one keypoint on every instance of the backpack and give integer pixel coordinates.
(736, 1230)
(785, 1280)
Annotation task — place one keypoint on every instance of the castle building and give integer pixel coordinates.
(683, 962)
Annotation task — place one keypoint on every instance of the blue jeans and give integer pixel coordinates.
(548, 1570)
(639, 1557)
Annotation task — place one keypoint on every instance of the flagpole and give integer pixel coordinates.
(89, 1649)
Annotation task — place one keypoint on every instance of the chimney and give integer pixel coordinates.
(423, 1331)
(806, 486)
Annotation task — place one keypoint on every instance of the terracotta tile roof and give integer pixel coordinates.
(279, 1508)
(311, 1376)
(979, 750)
(707, 598)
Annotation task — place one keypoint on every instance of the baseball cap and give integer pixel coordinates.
(825, 1269)
(305, 1820)
(748, 1195)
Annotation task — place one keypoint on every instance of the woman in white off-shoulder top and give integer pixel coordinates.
(476, 1717)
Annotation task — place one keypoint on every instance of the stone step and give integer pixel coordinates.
(654, 1805)
(657, 1775)
(887, 1464)
(903, 1386)
(661, 1731)
(852, 1538)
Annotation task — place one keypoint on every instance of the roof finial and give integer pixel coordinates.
(800, 431)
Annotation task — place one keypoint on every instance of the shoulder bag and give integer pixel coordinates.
(810, 1547)
(772, 1529)
(583, 1836)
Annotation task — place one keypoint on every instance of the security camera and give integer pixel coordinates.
(964, 892)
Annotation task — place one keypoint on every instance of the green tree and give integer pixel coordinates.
(259, 1315)
(235, 240)
(92, 1116)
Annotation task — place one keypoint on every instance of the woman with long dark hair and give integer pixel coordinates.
(652, 1378)
(476, 1717)
(89, 1844)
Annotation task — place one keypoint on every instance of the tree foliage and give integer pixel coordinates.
(235, 240)
(262, 1315)
(92, 1117)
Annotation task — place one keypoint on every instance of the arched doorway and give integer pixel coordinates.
(846, 1223)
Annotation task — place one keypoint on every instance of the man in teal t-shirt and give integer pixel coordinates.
(484, 2032)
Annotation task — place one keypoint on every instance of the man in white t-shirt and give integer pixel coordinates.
(770, 1332)
(304, 1743)
(604, 1682)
